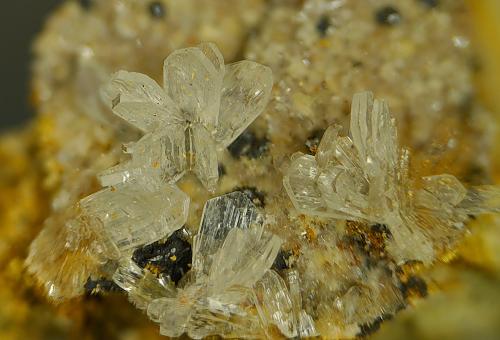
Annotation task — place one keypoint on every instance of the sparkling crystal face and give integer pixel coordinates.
(203, 105)
(364, 177)
(129, 215)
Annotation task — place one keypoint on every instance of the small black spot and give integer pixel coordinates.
(86, 4)
(171, 258)
(430, 3)
(157, 9)
(322, 25)
(115, 101)
(416, 285)
(357, 63)
(381, 229)
(388, 15)
(248, 145)
(475, 64)
(93, 287)
(312, 142)
(257, 197)
(282, 260)
(222, 170)
(476, 175)
(466, 106)
(371, 263)
(369, 328)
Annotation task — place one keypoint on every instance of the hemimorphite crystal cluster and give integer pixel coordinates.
(321, 52)
(203, 106)
(365, 177)
(231, 289)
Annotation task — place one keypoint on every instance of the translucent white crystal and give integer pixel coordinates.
(245, 93)
(276, 305)
(282, 306)
(231, 252)
(141, 286)
(64, 255)
(365, 177)
(131, 215)
(139, 100)
(243, 259)
(221, 215)
(193, 82)
(204, 105)
(305, 324)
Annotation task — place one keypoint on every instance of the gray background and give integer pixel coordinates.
(20, 20)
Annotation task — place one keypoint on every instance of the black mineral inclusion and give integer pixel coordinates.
(171, 258)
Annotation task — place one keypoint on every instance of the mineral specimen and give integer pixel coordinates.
(321, 52)
(365, 177)
(204, 105)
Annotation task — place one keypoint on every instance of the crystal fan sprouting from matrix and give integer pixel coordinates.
(237, 276)
(365, 177)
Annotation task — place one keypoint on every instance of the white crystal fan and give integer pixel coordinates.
(365, 177)
(203, 105)
(231, 252)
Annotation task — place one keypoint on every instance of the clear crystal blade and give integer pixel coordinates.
(205, 166)
(246, 91)
(139, 100)
(158, 157)
(130, 215)
(220, 215)
(194, 84)
(141, 286)
(300, 184)
(128, 275)
(225, 317)
(384, 138)
(172, 314)
(244, 257)
(481, 199)
(163, 152)
(213, 54)
(304, 322)
(361, 107)
(275, 305)
(118, 174)
(326, 155)
(441, 192)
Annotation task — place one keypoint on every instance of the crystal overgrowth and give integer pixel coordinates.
(204, 105)
(230, 290)
(365, 177)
